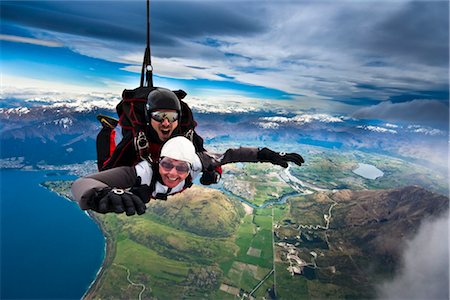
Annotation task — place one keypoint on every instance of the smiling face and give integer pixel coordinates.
(164, 128)
(173, 171)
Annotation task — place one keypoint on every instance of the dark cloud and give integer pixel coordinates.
(89, 19)
(126, 21)
(418, 32)
(208, 18)
(380, 35)
(403, 96)
(426, 112)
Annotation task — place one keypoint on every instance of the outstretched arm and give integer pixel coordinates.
(108, 191)
(248, 154)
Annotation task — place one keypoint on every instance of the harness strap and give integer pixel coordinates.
(190, 135)
(141, 145)
(140, 141)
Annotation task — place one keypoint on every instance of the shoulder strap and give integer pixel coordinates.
(132, 117)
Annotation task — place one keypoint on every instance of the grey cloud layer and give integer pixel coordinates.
(359, 52)
(420, 111)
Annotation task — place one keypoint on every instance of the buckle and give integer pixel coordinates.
(118, 191)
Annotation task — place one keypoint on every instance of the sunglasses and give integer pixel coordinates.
(159, 116)
(168, 166)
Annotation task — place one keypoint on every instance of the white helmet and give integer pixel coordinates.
(179, 148)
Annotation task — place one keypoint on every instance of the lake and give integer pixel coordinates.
(368, 171)
(50, 249)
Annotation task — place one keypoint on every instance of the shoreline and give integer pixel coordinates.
(110, 251)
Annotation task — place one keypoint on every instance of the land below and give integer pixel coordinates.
(319, 241)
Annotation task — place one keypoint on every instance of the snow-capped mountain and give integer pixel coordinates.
(64, 131)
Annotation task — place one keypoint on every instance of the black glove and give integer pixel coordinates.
(281, 159)
(142, 191)
(180, 94)
(210, 177)
(116, 200)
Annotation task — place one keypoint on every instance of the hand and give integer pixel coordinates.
(180, 94)
(118, 201)
(281, 159)
(142, 191)
(210, 177)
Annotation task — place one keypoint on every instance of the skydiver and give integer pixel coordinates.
(127, 189)
(162, 113)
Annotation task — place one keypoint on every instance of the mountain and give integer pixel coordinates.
(68, 131)
(48, 135)
(365, 238)
(378, 220)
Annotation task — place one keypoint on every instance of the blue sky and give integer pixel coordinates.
(374, 59)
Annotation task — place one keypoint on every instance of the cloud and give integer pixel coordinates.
(17, 86)
(20, 39)
(59, 96)
(429, 49)
(425, 266)
(416, 111)
(319, 51)
(81, 18)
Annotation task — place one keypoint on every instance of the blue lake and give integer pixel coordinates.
(368, 171)
(50, 249)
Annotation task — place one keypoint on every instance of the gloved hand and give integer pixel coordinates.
(210, 177)
(281, 159)
(180, 94)
(116, 200)
(142, 191)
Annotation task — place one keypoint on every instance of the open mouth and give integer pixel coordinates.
(165, 131)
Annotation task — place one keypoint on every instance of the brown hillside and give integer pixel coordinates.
(379, 220)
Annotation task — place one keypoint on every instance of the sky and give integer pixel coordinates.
(369, 59)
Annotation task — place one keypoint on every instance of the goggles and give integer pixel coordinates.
(159, 116)
(181, 168)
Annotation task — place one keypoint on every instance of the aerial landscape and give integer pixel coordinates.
(358, 89)
(296, 236)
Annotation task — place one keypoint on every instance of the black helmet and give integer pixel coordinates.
(161, 98)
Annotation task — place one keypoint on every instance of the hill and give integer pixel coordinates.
(350, 240)
(180, 252)
(198, 210)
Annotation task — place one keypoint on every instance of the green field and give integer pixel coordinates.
(172, 261)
